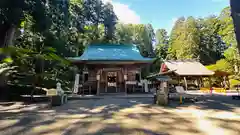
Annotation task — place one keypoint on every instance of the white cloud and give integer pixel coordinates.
(124, 13)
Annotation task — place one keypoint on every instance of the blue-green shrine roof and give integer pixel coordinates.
(111, 52)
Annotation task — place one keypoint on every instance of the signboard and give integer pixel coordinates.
(112, 84)
(52, 92)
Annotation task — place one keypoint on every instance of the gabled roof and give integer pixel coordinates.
(111, 52)
(159, 77)
(188, 67)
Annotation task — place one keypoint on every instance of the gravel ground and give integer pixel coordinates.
(130, 116)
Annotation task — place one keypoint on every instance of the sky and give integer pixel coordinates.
(163, 13)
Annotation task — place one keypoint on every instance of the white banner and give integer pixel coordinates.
(76, 84)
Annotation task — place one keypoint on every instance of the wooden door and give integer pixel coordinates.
(111, 82)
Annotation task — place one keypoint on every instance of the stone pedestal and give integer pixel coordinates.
(162, 97)
(56, 100)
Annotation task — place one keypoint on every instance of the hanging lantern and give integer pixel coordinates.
(98, 77)
(125, 77)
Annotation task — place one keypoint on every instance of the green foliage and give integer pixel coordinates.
(162, 44)
(49, 31)
(221, 65)
(44, 33)
(6, 69)
(175, 41)
(7, 60)
(196, 39)
(211, 40)
(139, 34)
(226, 31)
(228, 35)
(234, 82)
(211, 44)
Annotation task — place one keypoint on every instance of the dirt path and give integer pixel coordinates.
(216, 115)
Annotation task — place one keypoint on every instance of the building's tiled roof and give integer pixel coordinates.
(188, 67)
(159, 77)
(111, 52)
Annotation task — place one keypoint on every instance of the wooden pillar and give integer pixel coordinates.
(178, 80)
(201, 81)
(229, 85)
(117, 81)
(90, 90)
(125, 86)
(99, 81)
(98, 87)
(224, 82)
(106, 81)
(198, 83)
(186, 85)
(125, 80)
(210, 82)
(141, 80)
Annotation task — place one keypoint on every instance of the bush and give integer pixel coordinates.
(221, 65)
(234, 82)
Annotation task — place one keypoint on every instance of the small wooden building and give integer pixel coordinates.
(186, 70)
(110, 68)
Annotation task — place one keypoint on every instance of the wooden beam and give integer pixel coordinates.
(185, 81)
(178, 78)
(90, 90)
(117, 81)
(197, 79)
(98, 87)
(106, 82)
(229, 84)
(125, 85)
(201, 82)
(210, 82)
(98, 82)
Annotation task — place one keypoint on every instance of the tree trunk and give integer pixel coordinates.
(235, 8)
(4, 28)
(10, 36)
(7, 33)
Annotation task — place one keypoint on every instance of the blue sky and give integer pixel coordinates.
(163, 13)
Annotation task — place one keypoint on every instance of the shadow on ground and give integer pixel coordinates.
(114, 116)
(215, 102)
(227, 124)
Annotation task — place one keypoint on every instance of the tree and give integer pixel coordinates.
(47, 31)
(149, 37)
(162, 43)
(110, 20)
(174, 39)
(235, 8)
(124, 33)
(228, 36)
(185, 39)
(190, 46)
(11, 12)
(211, 44)
(139, 34)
